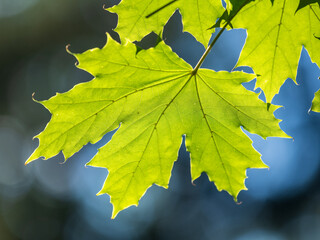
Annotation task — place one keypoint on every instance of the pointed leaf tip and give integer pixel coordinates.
(268, 106)
(67, 49)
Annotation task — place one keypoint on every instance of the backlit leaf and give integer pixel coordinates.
(156, 98)
(138, 18)
(276, 34)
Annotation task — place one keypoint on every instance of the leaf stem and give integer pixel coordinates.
(205, 54)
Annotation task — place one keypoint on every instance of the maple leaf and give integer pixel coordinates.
(276, 33)
(156, 98)
(139, 18)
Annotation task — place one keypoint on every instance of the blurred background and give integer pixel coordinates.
(50, 200)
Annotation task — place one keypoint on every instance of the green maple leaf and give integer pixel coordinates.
(276, 33)
(139, 18)
(156, 98)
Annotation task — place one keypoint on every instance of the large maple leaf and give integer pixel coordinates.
(156, 98)
(138, 18)
(276, 33)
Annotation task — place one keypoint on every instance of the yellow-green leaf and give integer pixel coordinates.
(156, 98)
(276, 34)
(138, 18)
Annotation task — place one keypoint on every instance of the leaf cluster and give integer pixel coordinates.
(154, 97)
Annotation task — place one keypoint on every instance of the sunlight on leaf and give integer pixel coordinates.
(276, 34)
(156, 99)
(138, 18)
